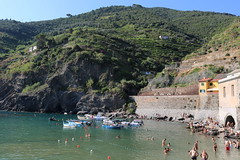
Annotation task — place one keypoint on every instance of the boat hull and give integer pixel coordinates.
(111, 127)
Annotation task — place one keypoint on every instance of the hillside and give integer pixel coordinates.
(93, 61)
(220, 55)
(143, 26)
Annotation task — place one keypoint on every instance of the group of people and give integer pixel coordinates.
(167, 149)
(194, 153)
(232, 144)
(229, 144)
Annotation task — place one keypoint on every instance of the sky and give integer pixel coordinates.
(36, 10)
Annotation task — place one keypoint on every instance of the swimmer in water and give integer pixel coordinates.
(164, 142)
(166, 150)
(204, 155)
(118, 137)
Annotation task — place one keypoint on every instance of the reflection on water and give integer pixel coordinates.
(32, 136)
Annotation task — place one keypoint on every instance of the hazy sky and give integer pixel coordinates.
(35, 10)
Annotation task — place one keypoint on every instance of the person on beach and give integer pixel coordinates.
(204, 155)
(215, 147)
(227, 145)
(164, 142)
(237, 145)
(193, 153)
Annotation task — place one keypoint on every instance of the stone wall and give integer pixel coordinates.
(208, 107)
(189, 90)
(176, 106)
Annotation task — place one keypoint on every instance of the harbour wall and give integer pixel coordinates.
(176, 106)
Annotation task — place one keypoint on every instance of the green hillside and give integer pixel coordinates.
(220, 55)
(227, 40)
(187, 31)
(93, 61)
(125, 60)
(131, 41)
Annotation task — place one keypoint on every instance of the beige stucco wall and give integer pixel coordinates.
(229, 100)
(230, 104)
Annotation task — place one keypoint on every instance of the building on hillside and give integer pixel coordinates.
(32, 48)
(208, 86)
(163, 37)
(229, 99)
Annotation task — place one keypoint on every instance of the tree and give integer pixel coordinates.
(51, 43)
(69, 15)
(41, 41)
(89, 83)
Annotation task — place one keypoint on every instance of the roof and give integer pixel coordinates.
(230, 77)
(214, 80)
(208, 80)
(205, 80)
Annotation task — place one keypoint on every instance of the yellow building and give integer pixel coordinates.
(208, 86)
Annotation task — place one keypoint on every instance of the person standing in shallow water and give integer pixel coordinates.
(164, 142)
(227, 145)
(196, 145)
(194, 153)
(204, 155)
(215, 147)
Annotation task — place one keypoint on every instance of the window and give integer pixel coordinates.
(232, 90)
(202, 84)
(211, 84)
(224, 91)
(202, 90)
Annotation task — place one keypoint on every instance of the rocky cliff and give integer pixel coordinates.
(58, 92)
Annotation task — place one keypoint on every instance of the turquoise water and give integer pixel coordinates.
(31, 136)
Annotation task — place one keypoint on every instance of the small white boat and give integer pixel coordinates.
(69, 125)
(125, 123)
(136, 123)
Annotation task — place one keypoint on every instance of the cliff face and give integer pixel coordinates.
(58, 92)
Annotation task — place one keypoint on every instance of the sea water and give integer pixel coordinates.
(31, 136)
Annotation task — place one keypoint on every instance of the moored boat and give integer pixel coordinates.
(112, 126)
(69, 125)
(136, 123)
